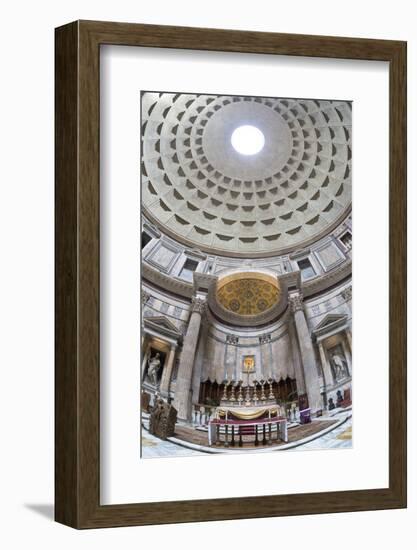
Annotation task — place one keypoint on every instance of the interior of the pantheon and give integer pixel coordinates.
(246, 273)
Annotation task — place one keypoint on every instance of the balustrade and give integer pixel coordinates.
(263, 432)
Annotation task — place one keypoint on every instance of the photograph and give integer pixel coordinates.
(246, 274)
(208, 273)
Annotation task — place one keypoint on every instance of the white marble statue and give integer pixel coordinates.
(154, 364)
(340, 366)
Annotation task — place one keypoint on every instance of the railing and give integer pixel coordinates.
(202, 414)
(265, 431)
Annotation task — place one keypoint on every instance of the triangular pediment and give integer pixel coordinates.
(331, 319)
(161, 323)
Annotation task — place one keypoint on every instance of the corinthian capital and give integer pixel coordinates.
(198, 305)
(296, 302)
(144, 297)
(347, 293)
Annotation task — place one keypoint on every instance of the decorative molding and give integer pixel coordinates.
(151, 229)
(299, 254)
(321, 284)
(265, 338)
(252, 344)
(203, 281)
(195, 254)
(167, 282)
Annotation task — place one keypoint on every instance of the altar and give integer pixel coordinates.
(248, 414)
(231, 433)
(252, 425)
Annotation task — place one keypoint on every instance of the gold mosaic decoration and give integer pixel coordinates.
(248, 293)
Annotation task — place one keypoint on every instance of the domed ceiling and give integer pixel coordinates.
(248, 293)
(199, 190)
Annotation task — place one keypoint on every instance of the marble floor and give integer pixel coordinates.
(338, 438)
(153, 447)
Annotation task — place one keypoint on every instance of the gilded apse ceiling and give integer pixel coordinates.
(248, 293)
(199, 190)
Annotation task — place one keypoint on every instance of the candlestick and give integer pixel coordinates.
(255, 394)
(263, 397)
(271, 393)
(240, 394)
(232, 391)
(225, 390)
(247, 402)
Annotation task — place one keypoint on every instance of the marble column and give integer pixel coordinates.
(298, 368)
(167, 372)
(145, 297)
(349, 339)
(145, 342)
(327, 370)
(182, 399)
(198, 364)
(145, 352)
(347, 356)
(308, 358)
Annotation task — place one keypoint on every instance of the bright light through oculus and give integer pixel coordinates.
(248, 140)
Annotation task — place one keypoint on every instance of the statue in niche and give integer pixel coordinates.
(338, 364)
(154, 366)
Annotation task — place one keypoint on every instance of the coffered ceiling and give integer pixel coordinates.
(198, 189)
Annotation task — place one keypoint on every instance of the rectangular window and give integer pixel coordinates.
(307, 270)
(188, 269)
(346, 240)
(145, 239)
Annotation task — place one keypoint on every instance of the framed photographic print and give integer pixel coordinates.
(230, 274)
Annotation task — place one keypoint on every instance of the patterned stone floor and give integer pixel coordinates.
(152, 447)
(339, 438)
(197, 437)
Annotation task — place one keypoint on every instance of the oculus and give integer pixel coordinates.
(248, 140)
